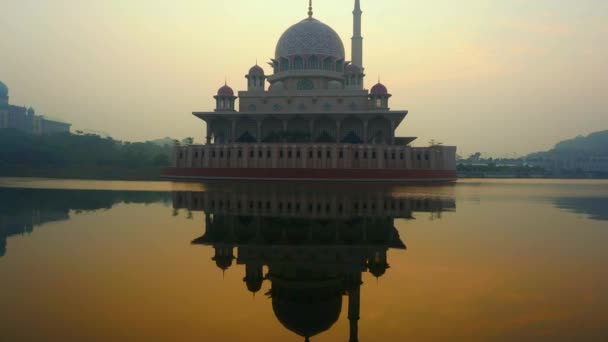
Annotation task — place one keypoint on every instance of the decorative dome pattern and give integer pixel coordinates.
(256, 70)
(3, 90)
(225, 91)
(310, 37)
(379, 89)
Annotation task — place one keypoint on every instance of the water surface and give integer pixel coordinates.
(156, 261)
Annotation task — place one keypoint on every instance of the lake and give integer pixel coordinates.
(504, 260)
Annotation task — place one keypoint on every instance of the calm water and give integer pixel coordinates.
(477, 261)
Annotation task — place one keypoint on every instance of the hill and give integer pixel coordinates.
(593, 145)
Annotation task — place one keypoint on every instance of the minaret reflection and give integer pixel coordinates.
(315, 242)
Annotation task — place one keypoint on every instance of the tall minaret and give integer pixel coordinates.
(357, 40)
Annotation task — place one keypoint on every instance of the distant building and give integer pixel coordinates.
(569, 164)
(26, 119)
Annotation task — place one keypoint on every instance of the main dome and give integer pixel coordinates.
(310, 37)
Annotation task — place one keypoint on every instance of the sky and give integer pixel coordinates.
(503, 78)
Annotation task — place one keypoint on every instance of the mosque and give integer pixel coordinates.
(26, 120)
(316, 120)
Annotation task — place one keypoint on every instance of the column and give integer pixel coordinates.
(208, 137)
(312, 130)
(392, 132)
(338, 128)
(233, 140)
(259, 135)
(365, 132)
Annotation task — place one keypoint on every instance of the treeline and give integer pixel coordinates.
(30, 155)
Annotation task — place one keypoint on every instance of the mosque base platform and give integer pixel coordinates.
(275, 174)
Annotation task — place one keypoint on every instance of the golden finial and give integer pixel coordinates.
(309, 9)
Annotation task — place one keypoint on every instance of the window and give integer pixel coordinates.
(393, 156)
(268, 154)
(418, 156)
(298, 63)
(196, 155)
(328, 154)
(426, 157)
(260, 154)
(251, 154)
(222, 154)
(341, 154)
(373, 155)
(364, 155)
(401, 156)
(305, 84)
(319, 154)
(213, 154)
(313, 62)
(356, 155)
(181, 155)
(310, 154)
(298, 154)
(281, 154)
(289, 154)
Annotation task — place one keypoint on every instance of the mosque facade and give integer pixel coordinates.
(25, 119)
(315, 120)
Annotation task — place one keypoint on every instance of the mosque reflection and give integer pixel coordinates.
(315, 243)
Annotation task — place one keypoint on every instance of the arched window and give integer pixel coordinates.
(298, 63)
(284, 65)
(313, 62)
(340, 66)
(327, 64)
(305, 84)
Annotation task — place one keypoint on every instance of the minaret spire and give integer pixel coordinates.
(357, 40)
(310, 9)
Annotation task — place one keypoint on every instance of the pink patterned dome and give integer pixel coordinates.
(352, 69)
(310, 37)
(256, 70)
(225, 91)
(379, 89)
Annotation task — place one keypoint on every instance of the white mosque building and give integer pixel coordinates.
(315, 121)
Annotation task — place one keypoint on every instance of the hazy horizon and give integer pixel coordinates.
(499, 78)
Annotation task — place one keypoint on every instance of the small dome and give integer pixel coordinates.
(256, 70)
(379, 89)
(277, 86)
(310, 37)
(225, 91)
(3, 90)
(334, 85)
(352, 69)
